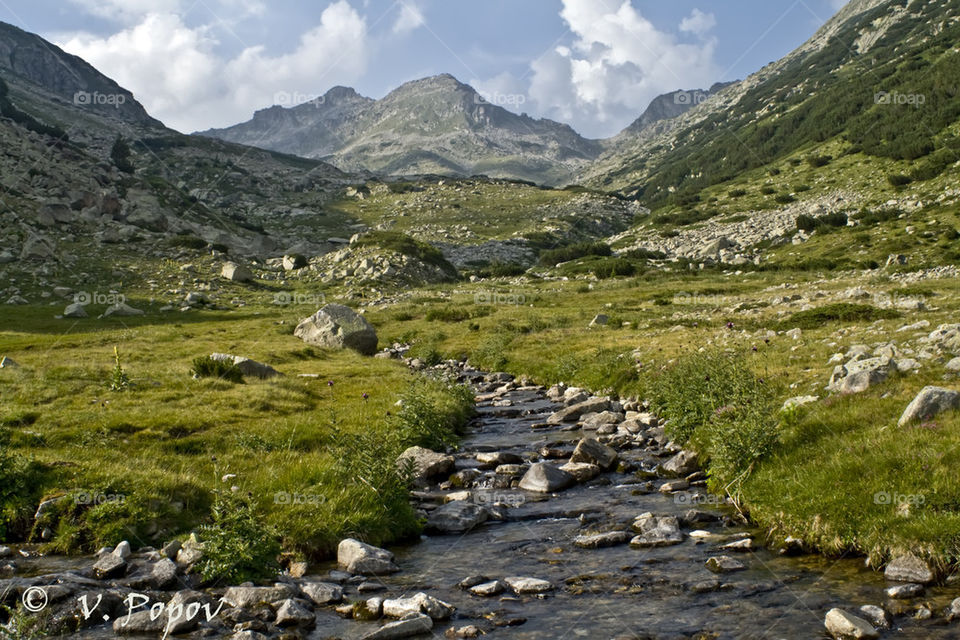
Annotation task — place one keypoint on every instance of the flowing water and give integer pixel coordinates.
(616, 592)
(621, 592)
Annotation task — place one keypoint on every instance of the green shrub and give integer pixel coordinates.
(714, 402)
(613, 268)
(767, 190)
(237, 544)
(120, 154)
(821, 223)
(404, 244)
(867, 217)
(784, 198)
(898, 180)
(433, 414)
(207, 367)
(187, 242)
(551, 257)
(498, 269)
(816, 161)
(838, 312)
(491, 353)
(21, 486)
(737, 193)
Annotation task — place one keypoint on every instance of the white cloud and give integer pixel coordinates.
(127, 10)
(410, 19)
(175, 71)
(617, 64)
(698, 23)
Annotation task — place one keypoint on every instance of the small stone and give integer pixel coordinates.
(364, 559)
(487, 589)
(846, 626)
(322, 593)
(601, 540)
(522, 586)
(408, 628)
(109, 566)
(904, 591)
(908, 568)
(724, 564)
(293, 614)
(877, 616)
(593, 452)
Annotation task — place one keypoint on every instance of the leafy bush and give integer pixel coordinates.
(433, 413)
(716, 403)
(898, 180)
(207, 367)
(767, 190)
(644, 254)
(491, 353)
(838, 312)
(498, 269)
(572, 252)
(867, 217)
(187, 242)
(237, 544)
(737, 193)
(821, 223)
(784, 198)
(404, 244)
(605, 269)
(816, 161)
(120, 154)
(9, 110)
(21, 486)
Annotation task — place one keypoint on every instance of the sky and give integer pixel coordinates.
(593, 64)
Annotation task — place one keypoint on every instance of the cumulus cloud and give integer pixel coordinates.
(410, 19)
(698, 23)
(619, 61)
(175, 71)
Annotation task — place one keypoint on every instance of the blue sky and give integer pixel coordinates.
(594, 64)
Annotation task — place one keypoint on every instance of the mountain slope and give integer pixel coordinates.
(829, 88)
(434, 125)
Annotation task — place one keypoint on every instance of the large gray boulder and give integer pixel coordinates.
(338, 327)
(364, 559)
(546, 478)
(574, 412)
(425, 463)
(909, 568)
(594, 452)
(456, 517)
(930, 402)
(236, 273)
(407, 628)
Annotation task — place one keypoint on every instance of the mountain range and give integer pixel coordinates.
(63, 124)
(435, 125)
